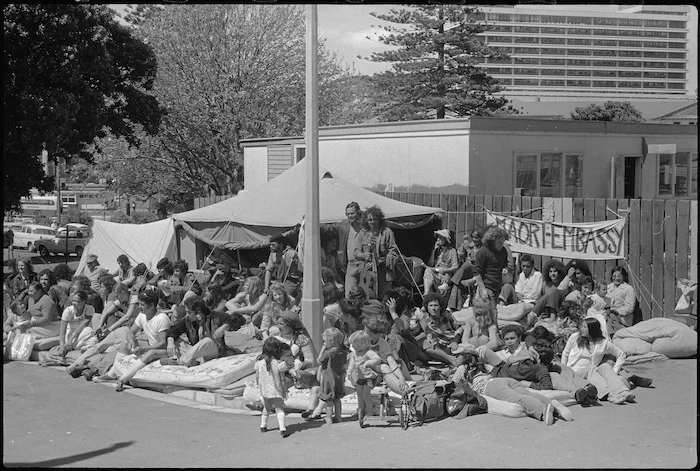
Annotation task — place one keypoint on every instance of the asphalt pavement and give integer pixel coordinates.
(52, 420)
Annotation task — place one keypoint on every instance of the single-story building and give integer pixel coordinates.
(497, 156)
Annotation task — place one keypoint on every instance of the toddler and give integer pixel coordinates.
(269, 373)
(332, 358)
(600, 298)
(363, 377)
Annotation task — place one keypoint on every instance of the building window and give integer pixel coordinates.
(678, 175)
(299, 153)
(549, 174)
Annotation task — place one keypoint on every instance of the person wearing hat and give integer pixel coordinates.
(94, 271)
(441, 265)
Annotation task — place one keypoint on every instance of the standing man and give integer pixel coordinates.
(94, 271)
(489, 263)
(350, 235)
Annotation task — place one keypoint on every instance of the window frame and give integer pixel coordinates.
(690, 174)
(563, 159)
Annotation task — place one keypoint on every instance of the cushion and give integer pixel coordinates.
(213, 374)
(661, 335)
(507, 315)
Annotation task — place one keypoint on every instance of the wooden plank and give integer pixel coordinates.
(632, 244)
(599, 214)
(479, 219)
(471, 213)
(694, 242)
(682, 238)
(488, 204)
(411, 198)
(657, 258)
(516, 204)
(669, 260)
(577, 210)
(645, 258)
(461, 219)
(452, 208)
(612, 205)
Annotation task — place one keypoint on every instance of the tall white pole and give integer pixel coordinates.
(311, 309)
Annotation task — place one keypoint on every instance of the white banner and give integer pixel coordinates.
(586, 240)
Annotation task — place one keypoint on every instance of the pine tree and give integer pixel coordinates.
(435, 71)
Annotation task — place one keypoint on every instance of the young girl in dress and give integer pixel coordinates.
(362, 376)
(269, 374)
(332, 358)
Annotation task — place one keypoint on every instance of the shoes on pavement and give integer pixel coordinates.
(581, 396)
(562, 411)
(284, 433)
(306, 414)
(640, 381)
(592, 393)
(361, 417)
(263, 429)
(87, 374)
(548, 414)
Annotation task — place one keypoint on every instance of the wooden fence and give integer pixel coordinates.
(661, 236)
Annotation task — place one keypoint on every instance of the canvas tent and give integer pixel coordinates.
(142, 243)
(247, 220)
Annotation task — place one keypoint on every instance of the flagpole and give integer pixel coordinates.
(311, 308)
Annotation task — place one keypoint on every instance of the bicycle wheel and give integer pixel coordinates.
(404, 415)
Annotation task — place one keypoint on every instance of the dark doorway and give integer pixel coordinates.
(631, 187)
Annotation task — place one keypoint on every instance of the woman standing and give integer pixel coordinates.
(584, 352)
(379, 252)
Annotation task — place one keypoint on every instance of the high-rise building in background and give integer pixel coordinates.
(617, 52)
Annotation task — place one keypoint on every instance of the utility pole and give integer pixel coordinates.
(311, 296)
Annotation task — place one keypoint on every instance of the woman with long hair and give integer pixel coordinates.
(584, 352)
(278, 302)
(482, 328)
(379, 252)
(249, 301)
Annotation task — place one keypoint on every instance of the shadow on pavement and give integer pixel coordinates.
(69, 459)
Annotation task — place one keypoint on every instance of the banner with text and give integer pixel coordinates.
(586, 240)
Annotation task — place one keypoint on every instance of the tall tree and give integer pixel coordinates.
(71, 73)
(226, 73)
(435, 70)
(616, 111)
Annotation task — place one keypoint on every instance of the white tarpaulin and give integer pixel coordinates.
(142, 243)
(585, 240)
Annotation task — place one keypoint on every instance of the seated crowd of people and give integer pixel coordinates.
(373, 331)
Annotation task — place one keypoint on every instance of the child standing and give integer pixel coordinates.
(362, 376)
(269, 373)
(332, 358)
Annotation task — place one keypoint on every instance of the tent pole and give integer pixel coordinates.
(311, 309)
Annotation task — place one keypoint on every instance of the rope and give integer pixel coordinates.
(637, 284)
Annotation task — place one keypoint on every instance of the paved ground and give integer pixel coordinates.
(50, 419)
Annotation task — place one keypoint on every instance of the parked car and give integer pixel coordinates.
(28, 234)
(70, 239)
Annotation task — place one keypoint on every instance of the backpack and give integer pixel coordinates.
(426, 403)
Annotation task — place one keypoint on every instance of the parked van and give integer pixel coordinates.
(28, 234)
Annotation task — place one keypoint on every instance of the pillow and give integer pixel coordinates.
(666, 336)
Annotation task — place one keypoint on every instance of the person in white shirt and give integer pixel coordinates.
(622, 299)
(154, 326)
(528, 288)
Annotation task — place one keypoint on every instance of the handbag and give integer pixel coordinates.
(21, 346)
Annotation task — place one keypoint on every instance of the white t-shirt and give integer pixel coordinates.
(69, 315)
(158, 323)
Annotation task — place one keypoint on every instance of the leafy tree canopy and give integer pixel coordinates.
(72, 73)
(435, 71)
(227, 73)
(616, 111)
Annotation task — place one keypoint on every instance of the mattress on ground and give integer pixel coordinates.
(658, 335)
(213, 374)
(234, 389)
(510, 409)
